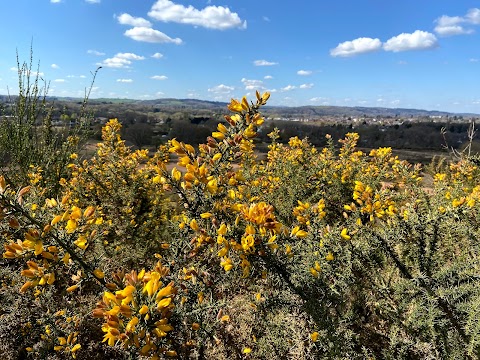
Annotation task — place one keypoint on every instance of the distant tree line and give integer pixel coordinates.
(149, 124)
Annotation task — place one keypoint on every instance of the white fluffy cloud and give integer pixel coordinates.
(264, 63)
(449, 20)
(120, 60)
(125, 80)
(212, 17)
(304, 72)
(59, 80)
(159, 77)
(306, 86)
(357, 46)
(150, 35)
(55, 66)
(221, 89)
(252, 84)
(55, 1)
(473, 16)
(450, 25)
(95, 52)
(455, 25)
(318, 98)
(93, 1)
(268, 77)
(127, 19)
(288, 88)
(452, 30)
(418, 40)
(157, 55)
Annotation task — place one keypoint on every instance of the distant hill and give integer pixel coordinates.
(273, 111)
(357, 111)
(306, 111)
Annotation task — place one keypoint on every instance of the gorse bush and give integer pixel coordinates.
(309, 254)
(29, 143)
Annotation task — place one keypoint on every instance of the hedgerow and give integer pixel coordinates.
(308, 254)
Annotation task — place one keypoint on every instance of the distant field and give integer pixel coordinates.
(412, 156)
(416, 156)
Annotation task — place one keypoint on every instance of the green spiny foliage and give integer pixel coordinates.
(28, 141)
(309, 254)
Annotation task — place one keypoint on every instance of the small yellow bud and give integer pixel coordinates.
(99, 274)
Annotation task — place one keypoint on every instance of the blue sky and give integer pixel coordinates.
(411, 53)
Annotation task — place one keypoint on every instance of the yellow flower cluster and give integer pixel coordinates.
(68, 345)
(47, 255)
(371, 204)
(304, 214)
(137, 316)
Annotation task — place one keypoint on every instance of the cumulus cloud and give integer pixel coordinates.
(127, 19)
(159, 77)
(473, 16)
(150, 35)
(95, 52)
(125, 80)
(192, 94)
(74, 76)
(55, 66)
(455, 25)
(418, 40)
(358, 46)
(93, 1)
(268, 77)
(264, 63)
(452, 30)
(449, 20)
(288, 88)
(221, 89)
(211, 17)
(252, 84)
(450, 25)
(306, 86)
(121, 60)
(315, 99)
(59, 80)
(304, 72)
(157, 55)
(55, 1)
